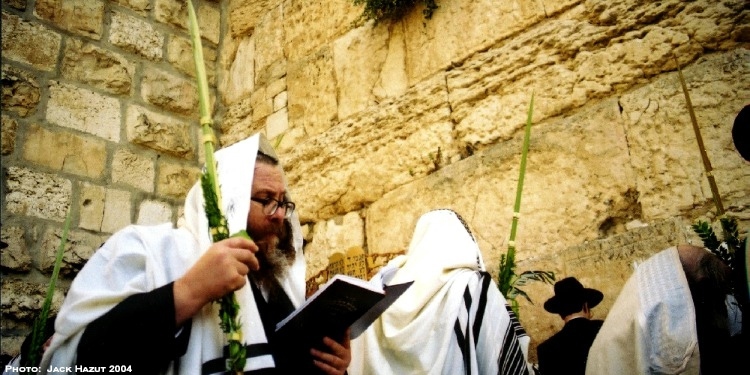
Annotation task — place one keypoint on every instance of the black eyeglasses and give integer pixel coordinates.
(270, 206)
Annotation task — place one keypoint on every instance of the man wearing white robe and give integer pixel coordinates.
(145, 299)
(452, 320)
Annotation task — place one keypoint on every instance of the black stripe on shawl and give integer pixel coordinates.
(463, 341)
(486, 278)
(511, 359)
(218, 365)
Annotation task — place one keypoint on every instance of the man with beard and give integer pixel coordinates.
(144, 302)
(670, 318)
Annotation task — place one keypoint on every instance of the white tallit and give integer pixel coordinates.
(651, 328)
(452, 320)
(139, 259)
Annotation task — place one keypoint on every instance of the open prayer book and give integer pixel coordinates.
(342, 302)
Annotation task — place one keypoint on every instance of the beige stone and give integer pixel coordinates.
(22, 300)
(16, 32)
(175, 13)
(83, 17)
(310, 24)
(268, 49)
(16, 256)
(159, 132)
(312, 94)
(21, 92)
(240, 81)
(277, 123)
(133, 169)
(142, 7)
(175, 180)
(169, 91)
(91, 206)
(84, 62)
(8, 136)
(180, 55)
(79, 247)
(17, 4)
(136, 35)
(153, 212)
(334, 236)
(262, 104)
(83, 156)
(80, 109)
(36, 194)
(117, 210)
(280, 100)
(245, 15)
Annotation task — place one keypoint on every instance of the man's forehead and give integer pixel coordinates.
(268, 178)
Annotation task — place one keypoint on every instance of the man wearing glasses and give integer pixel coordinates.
(144, 302)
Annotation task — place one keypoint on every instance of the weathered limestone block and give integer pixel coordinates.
(312, 93)
(358, 59)
(310, 24)
(460, 28)
(84, 110)
(277, 91)
(244, 15)
(277, 123)
(664, 152)
(16, 256)
(21, 92)
(237, 122)
(240, 81)
(133, 169)
(154, 212)
(169, 91)
(176, 180)
(82, 17)
(79, 247)
(159, 132)
(37, 194)
(570, 194)
(8, 126)
(268, 50)
(22, 301)
(141, 7)
(354, 163)
(331, 236)
(80, 155)
(261, 103)
(136, 35)
(180, 55)
(86, 63)
(175, 13)
(16, 4)
(103, 209)
(16, 33)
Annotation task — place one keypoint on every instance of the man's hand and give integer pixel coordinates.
(338, 357)
(222, 269)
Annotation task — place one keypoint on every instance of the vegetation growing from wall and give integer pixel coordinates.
(379, 10)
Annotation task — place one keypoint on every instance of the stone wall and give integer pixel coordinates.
(381, 123)
(377, 125)
(99, 120)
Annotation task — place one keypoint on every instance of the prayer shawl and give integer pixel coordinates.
(651, 328)
(452, 320)
(139, 259)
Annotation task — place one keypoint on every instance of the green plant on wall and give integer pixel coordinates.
(379, 10)
(731, 240)
(509, 282)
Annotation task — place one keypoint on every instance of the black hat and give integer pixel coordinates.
(741, 132)
(570, 296)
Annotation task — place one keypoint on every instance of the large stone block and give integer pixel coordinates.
(311, 24)
(80, 155)
(16, 33)
(91, 206)
(240, 80)
(175, 13)
(118, 210)
(15, 257)
(331, 236)
(85, 110)
(169, 91)
(79, 247)
(36, 194)
(132, 169)
(22, 301)
(180, 55)
(21, 93)
(136, 35)
(82, 17)
(313, 103)
(142, 7)
(159, 132)
(175, 180)
(268, 50)
(9, 126)
(86, 63)
(244, 16)
(153, 212)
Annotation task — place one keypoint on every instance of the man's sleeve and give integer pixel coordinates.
(140, 332)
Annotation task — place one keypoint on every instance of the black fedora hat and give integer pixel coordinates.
(570, 296)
